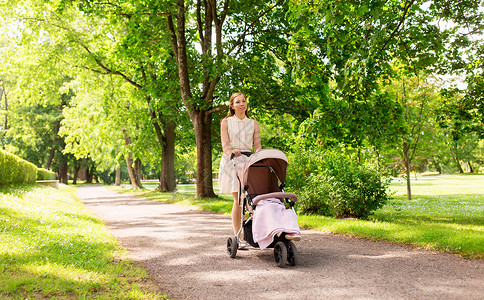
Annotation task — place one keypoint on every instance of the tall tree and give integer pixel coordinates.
(34, 115)
(107, 43)
(4, 106)
(418, 99)
(225, 32)
(458, 116)
(106, 121)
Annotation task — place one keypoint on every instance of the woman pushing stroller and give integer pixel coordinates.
(239, 135)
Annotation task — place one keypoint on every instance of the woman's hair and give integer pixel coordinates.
(231, 103)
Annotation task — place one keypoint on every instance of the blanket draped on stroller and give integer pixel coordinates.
(270, 218)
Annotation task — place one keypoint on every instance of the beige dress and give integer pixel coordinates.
(241, 137)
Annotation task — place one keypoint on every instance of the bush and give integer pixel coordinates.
(337, 185)
(313, 196)
(303, 165)
(13, 169)
(43, 174)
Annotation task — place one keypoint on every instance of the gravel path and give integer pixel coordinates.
(184, 251)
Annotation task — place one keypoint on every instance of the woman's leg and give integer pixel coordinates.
(236, 211)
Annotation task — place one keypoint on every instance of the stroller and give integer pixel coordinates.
(262, 176)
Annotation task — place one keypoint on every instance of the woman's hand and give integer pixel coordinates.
(237, 153)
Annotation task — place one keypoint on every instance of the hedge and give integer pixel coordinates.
(13, 169)
(43, 174)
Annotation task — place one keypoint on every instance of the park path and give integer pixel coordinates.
(184, 251)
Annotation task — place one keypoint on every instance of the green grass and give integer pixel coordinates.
(52, 247)
(445, 214)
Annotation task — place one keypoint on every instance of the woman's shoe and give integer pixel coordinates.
(293, 236)
(243, 245)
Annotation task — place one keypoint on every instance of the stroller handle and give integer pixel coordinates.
(274, 195)
(246, 153)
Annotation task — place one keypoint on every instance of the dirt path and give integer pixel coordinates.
(185, 252)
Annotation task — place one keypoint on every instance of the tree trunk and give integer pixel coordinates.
(133, 172)
(166, 140)
(203, 131)
(439, 169)
(77, 166)
(5, 126)
(135, 180)
(50, 158)
(406, 156)
(471, 170)
(53, 149)
(457, 162)
(117, 179)
(63, 169)
(200, 117)
(167, 174)
(137, 169)
(90, 174)
(129, 163)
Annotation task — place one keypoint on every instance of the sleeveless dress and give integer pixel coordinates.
(241, 137)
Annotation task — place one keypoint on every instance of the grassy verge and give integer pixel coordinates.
(446, 214)
(52, 247)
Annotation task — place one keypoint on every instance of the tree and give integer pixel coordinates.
(3, 95)
(458, 118)
(106, 121)
(207, 19)
(105, 45)
(138, 56)
(418, 100)
(34, 116)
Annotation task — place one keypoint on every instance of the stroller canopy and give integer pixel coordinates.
(250, 172)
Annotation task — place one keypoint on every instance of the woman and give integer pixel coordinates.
(239, 134)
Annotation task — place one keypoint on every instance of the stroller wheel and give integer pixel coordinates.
(292, 254)
(232, 246)
(280, 254)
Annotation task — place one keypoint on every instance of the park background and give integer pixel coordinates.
(354, 93)
(357, 94)
(377, 104)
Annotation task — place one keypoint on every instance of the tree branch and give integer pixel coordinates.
(244, 34)
(402, 19)
(109, 71)
(173, 38)
(218, 108)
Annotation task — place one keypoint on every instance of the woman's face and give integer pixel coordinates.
(240, 105)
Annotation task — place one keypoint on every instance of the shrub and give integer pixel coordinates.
(313, 196)
(13, 169)
(43, 174)
(302, 166)
(337, 185)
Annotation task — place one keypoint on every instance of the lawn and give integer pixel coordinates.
(52, 247)
(445, 214)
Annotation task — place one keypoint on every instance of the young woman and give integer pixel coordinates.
(239, 134)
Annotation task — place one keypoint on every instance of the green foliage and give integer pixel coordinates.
(323, 63)
(43, 174)
(13, 169)
(315, 196)
(334, 183)
(186, 166)
(33, 130)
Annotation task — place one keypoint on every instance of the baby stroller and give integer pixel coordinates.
(263, 176)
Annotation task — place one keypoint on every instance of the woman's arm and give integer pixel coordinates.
(257, 144)
(224, 132)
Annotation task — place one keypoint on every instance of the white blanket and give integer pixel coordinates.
(270, 218)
